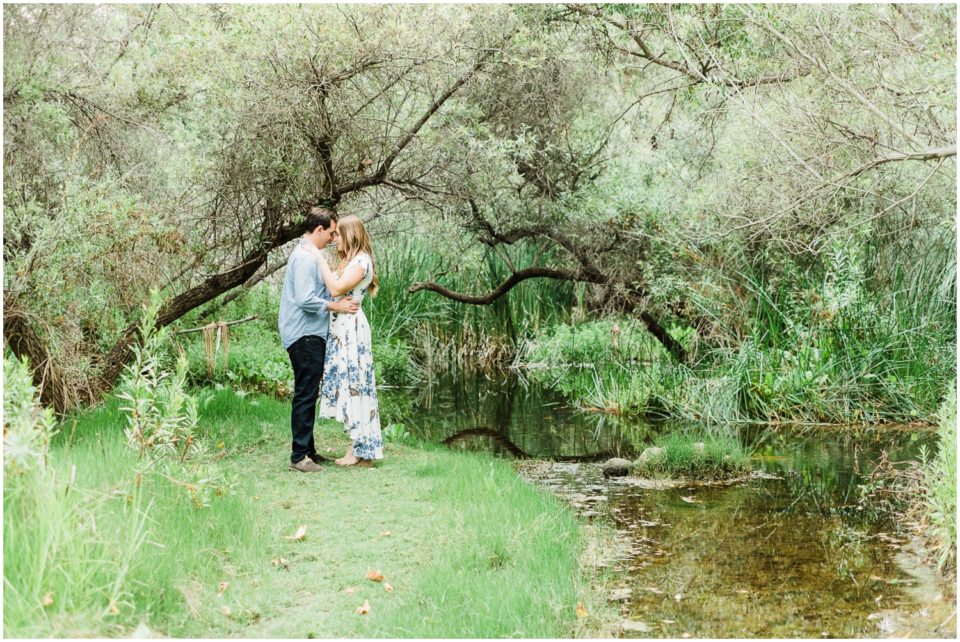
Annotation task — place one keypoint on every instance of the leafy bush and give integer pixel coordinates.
(393, 363)
(604, 341)
(609, 364)
(162, 417)
(255, 360)
(396, 433)
(396, 406)
(252, 357)
(27, 426)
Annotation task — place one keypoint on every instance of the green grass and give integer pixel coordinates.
(696, 455)
(148, 539)
(827, 344)
(471, 549)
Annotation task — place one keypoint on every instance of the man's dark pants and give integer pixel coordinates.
(307, 355)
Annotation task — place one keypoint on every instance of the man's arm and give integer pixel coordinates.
(304, 291)
(304, 288)
(346, 305)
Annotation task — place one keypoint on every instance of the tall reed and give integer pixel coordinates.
(448, 334)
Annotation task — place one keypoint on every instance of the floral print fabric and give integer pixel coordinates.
(348, 392)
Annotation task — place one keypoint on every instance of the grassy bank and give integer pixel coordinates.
(939, 481)
(467, 547)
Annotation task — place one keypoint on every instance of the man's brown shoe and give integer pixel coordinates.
(305, 465)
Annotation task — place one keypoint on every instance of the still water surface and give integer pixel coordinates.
(792, 554)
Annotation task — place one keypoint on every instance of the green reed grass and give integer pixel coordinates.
(446, 334)
(825, 344)
(940, 484)
(698, 454)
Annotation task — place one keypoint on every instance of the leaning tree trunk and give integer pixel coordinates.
(25, 341)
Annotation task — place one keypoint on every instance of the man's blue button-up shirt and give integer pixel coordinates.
(303, 304)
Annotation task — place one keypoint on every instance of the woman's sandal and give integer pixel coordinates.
(360, 463)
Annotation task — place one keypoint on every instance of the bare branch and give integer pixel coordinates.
(506, 286)
(380, 175)
(933, 153)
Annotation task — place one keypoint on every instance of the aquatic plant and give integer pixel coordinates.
(940, 484)
(695, 454)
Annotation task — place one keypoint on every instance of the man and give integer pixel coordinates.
(305, 308)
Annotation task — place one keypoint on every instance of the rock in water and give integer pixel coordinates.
(616, 467)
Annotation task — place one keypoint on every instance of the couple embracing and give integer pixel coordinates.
(326, 334)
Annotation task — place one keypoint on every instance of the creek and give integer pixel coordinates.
(791, 552)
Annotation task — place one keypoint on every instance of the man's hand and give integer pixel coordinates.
(346, 304)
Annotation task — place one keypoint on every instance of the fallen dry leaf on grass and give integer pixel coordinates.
(388, 587)
(223, 587)
(385, 533)
(280, 563)
(686, 635)
(349, 590)
(669, 621)
(690, 500)
(113, 609)
(636, 626)
(225, 610)
(654, 590)
(48, 599)
(299, 535)
(375, 576)
(363, 610)
(581, 612)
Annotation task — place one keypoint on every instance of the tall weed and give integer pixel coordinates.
(65, 569)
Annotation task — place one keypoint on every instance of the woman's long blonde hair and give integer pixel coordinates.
(353, 240)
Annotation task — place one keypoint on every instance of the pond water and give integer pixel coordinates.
(789, 553)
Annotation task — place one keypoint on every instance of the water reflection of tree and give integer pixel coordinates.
(530, 417)
(824, 471)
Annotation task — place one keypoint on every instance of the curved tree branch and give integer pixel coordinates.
(652, 325)
(506, 286)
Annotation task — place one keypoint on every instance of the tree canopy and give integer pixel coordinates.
(648, 150)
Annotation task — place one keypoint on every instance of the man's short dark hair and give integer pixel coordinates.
(318, 217)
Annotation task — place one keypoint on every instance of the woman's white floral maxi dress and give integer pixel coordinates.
(348, 392)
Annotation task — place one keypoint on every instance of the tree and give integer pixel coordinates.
(226, 141)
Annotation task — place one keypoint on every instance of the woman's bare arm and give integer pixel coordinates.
(337, 284)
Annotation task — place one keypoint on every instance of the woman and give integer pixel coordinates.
(348, 392)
